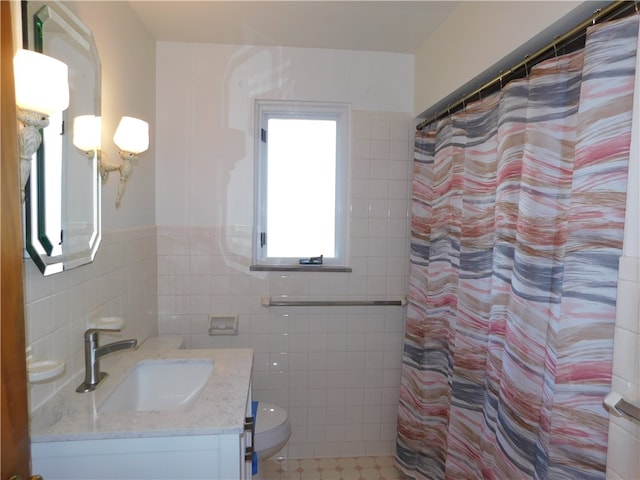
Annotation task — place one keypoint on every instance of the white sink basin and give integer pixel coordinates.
(160, 385)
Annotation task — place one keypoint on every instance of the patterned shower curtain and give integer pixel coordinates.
(518, 210)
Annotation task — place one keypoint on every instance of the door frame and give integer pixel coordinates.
(15, 445)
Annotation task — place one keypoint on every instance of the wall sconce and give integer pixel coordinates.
(42, 89)
(87, 134)
(132, 138)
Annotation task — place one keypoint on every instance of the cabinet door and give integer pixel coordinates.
(231, 457)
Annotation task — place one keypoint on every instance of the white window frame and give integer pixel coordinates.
(341, 112)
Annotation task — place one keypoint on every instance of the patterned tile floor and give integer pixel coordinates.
(350, 468)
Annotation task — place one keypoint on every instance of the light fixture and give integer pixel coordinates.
(87, 133)
(132, 138)
(42, 89)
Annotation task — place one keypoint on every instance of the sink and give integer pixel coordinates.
(160, 385)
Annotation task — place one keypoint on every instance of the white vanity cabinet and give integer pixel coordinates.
(73, 439)
(202, 457)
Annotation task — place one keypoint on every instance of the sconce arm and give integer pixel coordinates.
(104, 166)
(30, 123)
(125, 170)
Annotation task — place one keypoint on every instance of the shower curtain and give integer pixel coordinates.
(518, 210)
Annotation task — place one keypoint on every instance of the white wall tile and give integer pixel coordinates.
(624, 435)
(623, 453)
(325, 357)
(380, 129)
(379, 189)
(361, 126)
(361, 149)
(60, 306)
(629, 269)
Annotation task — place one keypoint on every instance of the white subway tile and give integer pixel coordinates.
(299, 380)
(336, 397)
(317, 361)
(628, 305)
(629, 269)
(335, 415)
(626, 356)
(361, 126)
(623, 452)
(379, 189)
(360, 188)
(355, 378)
(353, 449)
(380, 129)
(400, 151)
(378, 227)
(337, 378)
(401, 130)
(297, 397)
(379, 169)
(361, 151)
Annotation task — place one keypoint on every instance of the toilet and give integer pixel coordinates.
(273, 430)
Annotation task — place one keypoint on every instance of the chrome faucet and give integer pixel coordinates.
(92, 353)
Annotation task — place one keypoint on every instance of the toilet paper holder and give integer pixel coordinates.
(223, 324)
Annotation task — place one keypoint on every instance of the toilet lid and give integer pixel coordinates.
(269, 416)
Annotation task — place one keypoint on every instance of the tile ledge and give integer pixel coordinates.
(299, 268)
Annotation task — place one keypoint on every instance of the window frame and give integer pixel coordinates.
(341, 113)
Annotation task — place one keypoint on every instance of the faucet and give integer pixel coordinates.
(92, 353)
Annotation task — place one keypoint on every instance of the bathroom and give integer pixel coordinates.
(178, 249)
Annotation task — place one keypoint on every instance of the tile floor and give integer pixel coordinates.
(349, 468)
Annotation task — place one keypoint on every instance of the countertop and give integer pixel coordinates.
(220, 408)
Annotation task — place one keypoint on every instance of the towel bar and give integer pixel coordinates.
(267, 302)
(619, 406)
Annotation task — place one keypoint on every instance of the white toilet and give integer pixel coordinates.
(273, 430)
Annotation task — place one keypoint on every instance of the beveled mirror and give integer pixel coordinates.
(62, 202)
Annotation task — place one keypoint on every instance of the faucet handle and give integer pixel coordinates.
(91, 334)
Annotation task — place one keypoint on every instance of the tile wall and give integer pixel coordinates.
(623, 461)
(120, 282)
(335, 369)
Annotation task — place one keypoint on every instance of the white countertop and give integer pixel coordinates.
(220, 408)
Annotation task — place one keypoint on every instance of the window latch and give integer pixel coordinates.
(311, 261)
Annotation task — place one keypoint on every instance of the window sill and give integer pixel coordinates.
(299, 268)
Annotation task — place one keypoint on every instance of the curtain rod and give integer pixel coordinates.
(619, 6)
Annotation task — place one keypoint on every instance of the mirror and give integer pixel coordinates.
(62, 202)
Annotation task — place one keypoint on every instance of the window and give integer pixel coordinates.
(301, 182)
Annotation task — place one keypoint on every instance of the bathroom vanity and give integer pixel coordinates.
(75, 436)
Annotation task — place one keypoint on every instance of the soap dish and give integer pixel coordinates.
(107, 323)
(41, 370)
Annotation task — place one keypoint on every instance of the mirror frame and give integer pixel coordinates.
(73, 250)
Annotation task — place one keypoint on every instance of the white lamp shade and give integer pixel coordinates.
(132, 135)
(42, 82)
(87, 132)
